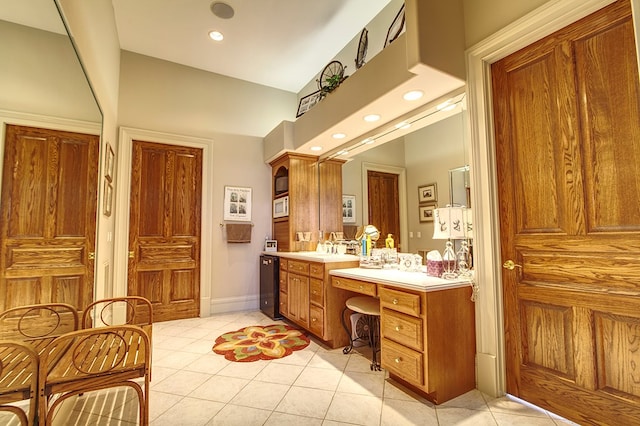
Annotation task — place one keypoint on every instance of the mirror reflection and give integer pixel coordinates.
(386, 181)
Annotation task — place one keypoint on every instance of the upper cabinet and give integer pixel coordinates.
(428, 56)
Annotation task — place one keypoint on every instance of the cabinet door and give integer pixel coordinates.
(299, 299)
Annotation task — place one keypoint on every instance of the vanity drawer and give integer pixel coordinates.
(283, 282)
(362, 287)
(408, 303)
(316, 320)
(316, 291)
(402, 361)
(298, 267)
(284, 305)
(283, 264)
(316, 270)
(401, 328)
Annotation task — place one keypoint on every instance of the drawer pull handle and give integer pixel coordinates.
(395, 301)
(361, 287)
(314, 319)
(398, 360)
(398, 328)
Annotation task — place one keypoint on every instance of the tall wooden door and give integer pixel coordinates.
(567, 126)
(384, 205)
(48, 230)
(164, 228)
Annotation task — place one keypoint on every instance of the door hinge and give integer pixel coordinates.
(92, 255)
(131, 255)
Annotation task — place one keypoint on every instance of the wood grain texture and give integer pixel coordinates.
(48, 226)
(566, 114)
(164, 228)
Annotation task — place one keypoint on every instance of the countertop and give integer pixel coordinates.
(410, 280)
(313, 256)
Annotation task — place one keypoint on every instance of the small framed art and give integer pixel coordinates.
(428, 193)
(308, 102)
(108, 163)
(348, 209)
(237, 203)
(426, 212)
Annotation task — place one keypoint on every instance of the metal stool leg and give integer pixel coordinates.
(346, 349)
(373, 323)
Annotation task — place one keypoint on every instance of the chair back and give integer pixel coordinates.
(132, 310)
(38, 324)
(18, 379)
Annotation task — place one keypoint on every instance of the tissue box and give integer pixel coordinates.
(434, 268)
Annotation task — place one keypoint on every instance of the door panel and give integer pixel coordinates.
(164, 229)
(384, 210)
(49, 196)
(566, 114)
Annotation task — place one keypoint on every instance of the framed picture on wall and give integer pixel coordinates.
(428, 193)
(348, 209)
(426, 212)
(308, 102)
(108, 163)
(237, 203)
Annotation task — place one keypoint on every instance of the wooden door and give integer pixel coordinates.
(164, 228)
(298, 299)
(567, 115)
(384, 205)
(49, 196)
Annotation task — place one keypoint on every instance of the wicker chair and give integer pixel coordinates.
(18, 379)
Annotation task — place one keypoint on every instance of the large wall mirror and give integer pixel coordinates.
(422, 159)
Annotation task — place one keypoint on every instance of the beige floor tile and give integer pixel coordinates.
(510, 405)
(262, 395)
(472, 400)
(243, 370)
(181, 383)
(329, 360)
(160, 402)
(305, 402)
(397, 412)
(319, 378)
(221, 389)
(296, 358)
(508, 419)
(284, 374)
(233, 415)
(190, 411)
(394, 390)
(464, 417)
(355, 409)
(283, 419)
(158, 373)
(176, 359)
(209, 363)
(362, 383)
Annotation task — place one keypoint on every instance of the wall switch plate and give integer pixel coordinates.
(410, 234)
(419, 234)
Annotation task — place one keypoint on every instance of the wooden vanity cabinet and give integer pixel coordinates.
(428, 339)
(308, 299)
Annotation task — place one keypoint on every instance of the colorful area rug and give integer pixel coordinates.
(260, 342)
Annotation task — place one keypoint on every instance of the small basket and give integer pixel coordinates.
(434, 268)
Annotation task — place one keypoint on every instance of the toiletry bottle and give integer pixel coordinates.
(368, 245)
(364, 247)
(388, 243)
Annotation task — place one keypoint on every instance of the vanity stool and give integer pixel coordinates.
(370, 308)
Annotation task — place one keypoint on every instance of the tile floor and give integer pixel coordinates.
(193, 386)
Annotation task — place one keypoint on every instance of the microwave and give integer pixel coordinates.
(281, 207)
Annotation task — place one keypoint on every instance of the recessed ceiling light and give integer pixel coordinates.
(316, 148)
(413, 95)
(343, 152)
(403, 125)
(372, 117)
(367, 141)
(216, 35)
(338, 136)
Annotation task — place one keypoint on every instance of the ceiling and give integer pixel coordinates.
(276, 43)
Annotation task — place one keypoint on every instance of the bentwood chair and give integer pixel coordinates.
(93, 359)
(18, 380)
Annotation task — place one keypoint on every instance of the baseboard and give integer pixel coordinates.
(234, 304)
(487, 375)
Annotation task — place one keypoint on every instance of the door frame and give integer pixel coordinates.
(402, 195)
(548, 18)
(123, 196)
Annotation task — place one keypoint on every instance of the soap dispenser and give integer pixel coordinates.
(389, 243)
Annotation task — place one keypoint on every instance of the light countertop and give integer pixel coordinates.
(410, 280)
(313, 256)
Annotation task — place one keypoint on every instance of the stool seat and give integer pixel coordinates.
(364, 305)
(369, 307)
